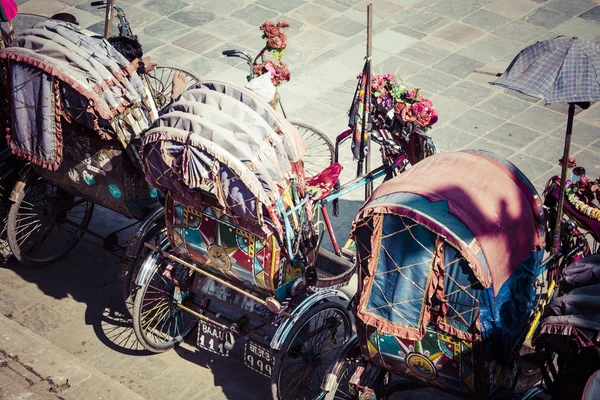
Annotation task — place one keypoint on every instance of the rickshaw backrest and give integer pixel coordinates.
(448, 256)
(76, 75)
(232, 183)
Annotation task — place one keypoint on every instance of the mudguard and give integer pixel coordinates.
(315, 298)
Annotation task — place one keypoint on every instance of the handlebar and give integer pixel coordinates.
(239, 54)
(102, 4)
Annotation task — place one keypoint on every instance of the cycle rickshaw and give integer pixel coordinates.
(245, 226)
(99, 146)
(470, 304)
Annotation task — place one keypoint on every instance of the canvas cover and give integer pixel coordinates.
(577, 310)
(59, 70)
(210, 141)
(448, 256)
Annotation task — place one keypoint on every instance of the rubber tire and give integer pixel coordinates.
(134, 265)
(11, 229)
(294, 331)
(137, 323)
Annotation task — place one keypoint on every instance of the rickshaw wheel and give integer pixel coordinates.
(159, 323)
(373, 377)
(156, 237)
(45, 223)
(160, 80)
(319, 149)
(308, 350)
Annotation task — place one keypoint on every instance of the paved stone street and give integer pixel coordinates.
(431, 44)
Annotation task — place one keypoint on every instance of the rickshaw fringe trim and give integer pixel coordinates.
(434, 280)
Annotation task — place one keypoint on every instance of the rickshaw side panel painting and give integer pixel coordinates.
(213, 239)
(430, 308)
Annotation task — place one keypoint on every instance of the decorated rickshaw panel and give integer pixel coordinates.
(441, 360)
(215, 241)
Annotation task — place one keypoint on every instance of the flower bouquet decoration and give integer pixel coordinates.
(276, 43)
(402, 113)
(581, 193)
(397, 108)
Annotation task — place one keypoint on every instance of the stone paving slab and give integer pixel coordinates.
(61, 374)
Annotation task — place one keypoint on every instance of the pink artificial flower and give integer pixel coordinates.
(418, 108)
(434, 116)
(424, 119)
(426, 102)
(408, 115)
(277, 42)
(411, 94)
(272, 31)
(399, 107)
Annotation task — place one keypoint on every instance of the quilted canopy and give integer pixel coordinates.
(456, 242)
(221, 139)
(60, 70)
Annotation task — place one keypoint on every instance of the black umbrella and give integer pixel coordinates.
(564, 70)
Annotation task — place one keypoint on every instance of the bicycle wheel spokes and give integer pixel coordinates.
(160, 80)
(159, 322)
(46, 223)
(319, 149)
(309, 351)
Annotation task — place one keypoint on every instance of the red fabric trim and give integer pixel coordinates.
(58, 112)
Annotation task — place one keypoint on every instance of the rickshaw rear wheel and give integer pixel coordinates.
(155, 237)
(319, 149)
(45, 223)
(159, 323)
(308, 350)
(160, 80)
(373, 377)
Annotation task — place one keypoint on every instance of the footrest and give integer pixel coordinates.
(332, 270)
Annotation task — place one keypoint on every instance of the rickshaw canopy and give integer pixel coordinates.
(225, 140)
(456, 243)
(59, 70)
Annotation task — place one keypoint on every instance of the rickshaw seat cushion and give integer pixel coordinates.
(582, 273)
(321, 185)
(578, 310)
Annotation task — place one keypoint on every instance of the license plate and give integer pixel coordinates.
(258, 358)
(212, 338)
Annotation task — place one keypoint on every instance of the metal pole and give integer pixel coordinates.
(369, 186)
(221, 281)
(110, 7)
(563, 178)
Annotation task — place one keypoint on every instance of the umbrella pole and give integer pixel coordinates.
(563, 179)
